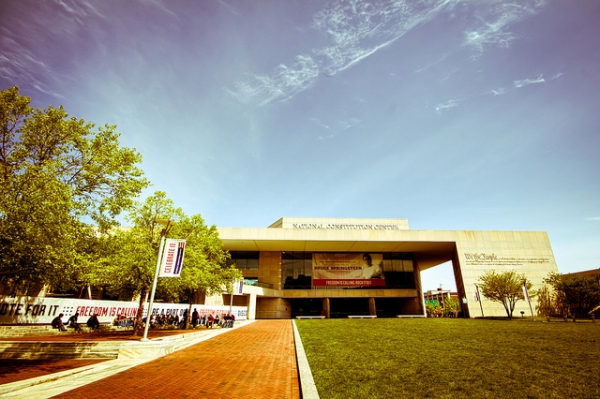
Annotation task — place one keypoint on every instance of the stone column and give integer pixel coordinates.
(251, 314)
(372, 308)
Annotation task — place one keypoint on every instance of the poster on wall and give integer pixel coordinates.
(348, 270)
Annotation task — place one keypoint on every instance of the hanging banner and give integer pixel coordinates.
(172, 260)
(348, 270)
(238, 287)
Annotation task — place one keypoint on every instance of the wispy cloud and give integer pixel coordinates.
(494, 25)
(356, 31)
(498, 92)
(593, 219)
(335, 128)
(526, 82)
(447, 105)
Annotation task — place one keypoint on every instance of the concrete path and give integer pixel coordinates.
(254, 361)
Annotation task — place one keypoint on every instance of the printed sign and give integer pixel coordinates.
(172, 260)
(348, 270)
(41, 310)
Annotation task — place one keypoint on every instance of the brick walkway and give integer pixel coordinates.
(256, 361)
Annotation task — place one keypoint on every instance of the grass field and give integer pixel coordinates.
(452, 358)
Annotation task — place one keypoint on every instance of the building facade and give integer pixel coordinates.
(344, 267)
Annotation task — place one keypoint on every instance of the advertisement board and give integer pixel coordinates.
(348, 270)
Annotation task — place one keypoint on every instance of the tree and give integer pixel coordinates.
(56, 176)
(131, 256)
(451, 306)
(205, 271)
(545, 306)
(575, 294)
(129, 262)
(505, 287)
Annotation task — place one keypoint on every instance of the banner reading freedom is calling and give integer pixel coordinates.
(348, 270)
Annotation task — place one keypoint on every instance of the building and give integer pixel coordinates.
(343, 267)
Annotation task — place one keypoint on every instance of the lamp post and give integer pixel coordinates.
(163, 235)
(526, 294)
(479, 299)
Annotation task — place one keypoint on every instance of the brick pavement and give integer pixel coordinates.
(256, 361)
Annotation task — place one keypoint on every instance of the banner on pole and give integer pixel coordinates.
(525, 293)
(238, 286)
(172, 260)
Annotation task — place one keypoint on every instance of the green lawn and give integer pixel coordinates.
(452, 358)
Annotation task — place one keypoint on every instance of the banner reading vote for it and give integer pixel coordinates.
(172, 260)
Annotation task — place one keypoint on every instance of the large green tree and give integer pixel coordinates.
(504, 287)
(574, 294)
(58, 176)
(129, 263)
(205, 271)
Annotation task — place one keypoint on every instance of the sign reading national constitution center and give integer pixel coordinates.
(348, 270)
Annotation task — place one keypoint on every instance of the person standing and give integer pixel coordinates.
(195, 317)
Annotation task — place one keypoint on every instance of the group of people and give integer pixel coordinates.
(73, 323)
(162, 320)
(123, 321)
(225, 320)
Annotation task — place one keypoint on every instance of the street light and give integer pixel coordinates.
(163, 234)
(526, 294)
(479, 299)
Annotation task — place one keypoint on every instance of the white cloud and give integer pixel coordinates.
(447, 105)
(526, 82)
(498, 92)
(493, 29)
(356, 31)
(593, 219)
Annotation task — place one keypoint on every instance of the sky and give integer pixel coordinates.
(453, 114)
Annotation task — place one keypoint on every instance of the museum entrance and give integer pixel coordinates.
(344, 307)
(390, 307)
(307, 307)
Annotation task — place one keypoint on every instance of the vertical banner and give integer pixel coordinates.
(238, 287)
(172, 260)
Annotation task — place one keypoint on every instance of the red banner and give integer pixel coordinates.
(348, 270)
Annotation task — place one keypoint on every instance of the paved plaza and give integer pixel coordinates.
(257, 360)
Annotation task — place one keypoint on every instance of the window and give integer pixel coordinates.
(243, 260)
(296, 270)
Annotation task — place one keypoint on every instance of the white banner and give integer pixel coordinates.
(238, 287)
(41, 310)
(172, 260)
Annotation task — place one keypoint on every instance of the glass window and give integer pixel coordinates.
(296, 270)
(244, 260)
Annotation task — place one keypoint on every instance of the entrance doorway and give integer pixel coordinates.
(344, 307)
(307, 307)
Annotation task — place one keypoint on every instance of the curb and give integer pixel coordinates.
(308, 389)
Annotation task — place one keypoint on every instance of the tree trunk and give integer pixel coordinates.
(139, 325)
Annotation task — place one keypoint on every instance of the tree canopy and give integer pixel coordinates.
(129, 262)
(58, 175)
(576, 295)
(504, 287)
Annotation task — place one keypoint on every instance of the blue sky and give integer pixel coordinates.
(457, 115)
